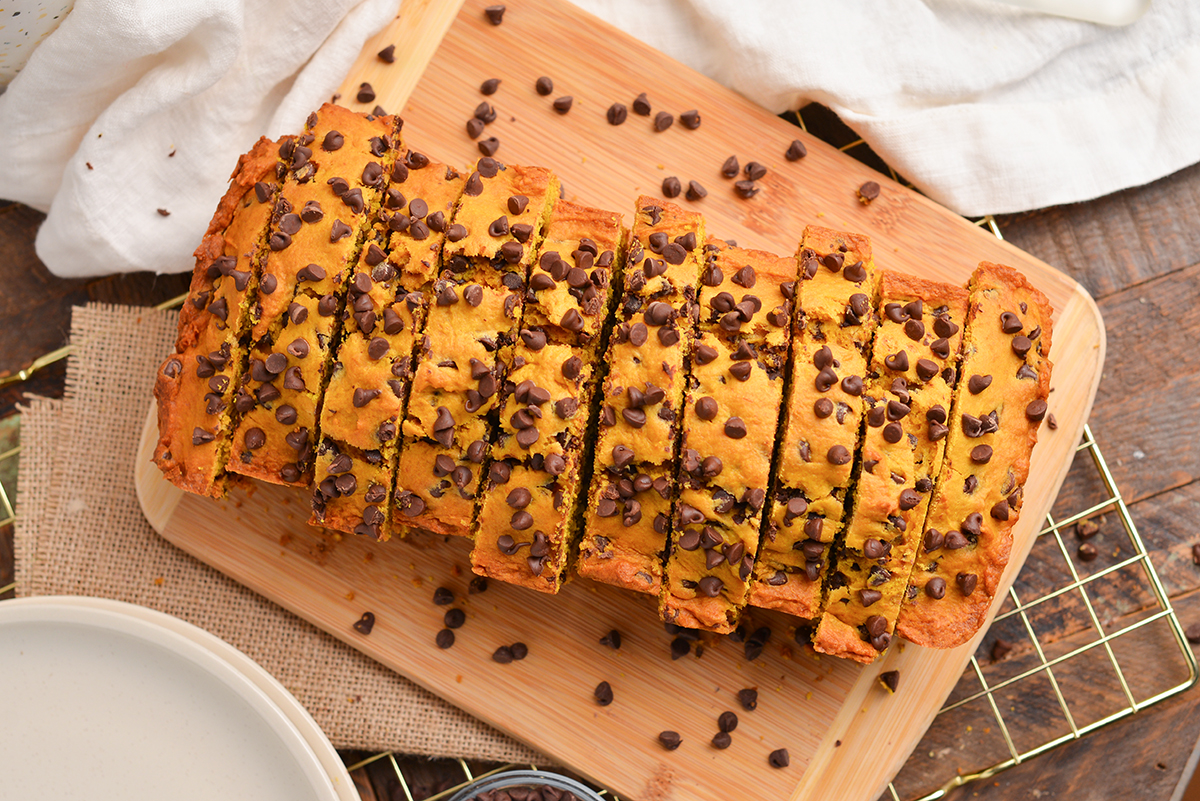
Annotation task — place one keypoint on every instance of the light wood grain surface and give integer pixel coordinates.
(845, 734)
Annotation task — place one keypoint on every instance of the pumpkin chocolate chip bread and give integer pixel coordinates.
(909, 385)
(451, 352)
(998, 408)
(474, 317)
(628, 514)
(335, 174)
(196, 384)
(821, 432)
(539, 454)
(387, 300)
(730, 416)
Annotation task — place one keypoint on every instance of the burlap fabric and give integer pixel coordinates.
(80, 531)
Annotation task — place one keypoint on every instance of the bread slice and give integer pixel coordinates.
(196, 384)
(525, 526)
(997, 409)
(336, 172)
(913, 370)
(387, 301)
(473, 320)
(730, 420)
(628, 514)
(814, 468)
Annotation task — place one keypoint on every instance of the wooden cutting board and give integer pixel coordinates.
(845, 734)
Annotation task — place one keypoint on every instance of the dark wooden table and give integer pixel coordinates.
(1137, 251)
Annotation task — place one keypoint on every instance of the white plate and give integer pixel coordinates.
(108, 700)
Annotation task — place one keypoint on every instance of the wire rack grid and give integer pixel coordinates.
(1015, 610)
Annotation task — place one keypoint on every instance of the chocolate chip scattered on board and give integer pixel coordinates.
(495, 14)
(365, 623)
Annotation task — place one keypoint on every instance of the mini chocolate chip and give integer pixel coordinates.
(967, 582)
(1087, 552)
(745, 190)
(365, 93)
(978, 383)
(671, 187)
(695, 191)
(838, 455)
(603, 693)
(935, 588)
(544, 86)
(779, 758)
(796, 151)
(735, 428)
(981, 454)
(721, 740)
(563, 104)
(641, 105)
(444, 639)
(617, 114)
(669, 740)
(868, 192)
(255, 438)
(365, 623)
(662, 121)
(489, 146)
(495, 14)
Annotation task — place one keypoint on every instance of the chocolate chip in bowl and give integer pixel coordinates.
(529, 784)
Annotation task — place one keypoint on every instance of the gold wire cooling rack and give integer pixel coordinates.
(989, 684)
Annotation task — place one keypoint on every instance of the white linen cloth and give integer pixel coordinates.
(87, 128)
(985, 107)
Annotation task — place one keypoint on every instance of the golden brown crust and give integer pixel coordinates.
(190, 407)
(990, 441)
